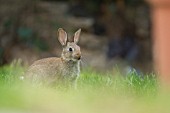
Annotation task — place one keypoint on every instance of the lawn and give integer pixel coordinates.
(95, 93)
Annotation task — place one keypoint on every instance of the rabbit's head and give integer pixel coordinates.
(71, 51)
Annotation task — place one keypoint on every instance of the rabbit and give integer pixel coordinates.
(54, 69)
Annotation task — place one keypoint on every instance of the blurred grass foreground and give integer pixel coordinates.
(95, 93)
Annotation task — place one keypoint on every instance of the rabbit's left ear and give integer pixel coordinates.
(77, 36)
(62, 36)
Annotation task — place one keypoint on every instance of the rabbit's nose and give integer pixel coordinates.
(78, 56)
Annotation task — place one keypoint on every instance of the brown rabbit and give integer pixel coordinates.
(53, 70)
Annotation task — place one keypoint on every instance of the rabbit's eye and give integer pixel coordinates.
(70, 49)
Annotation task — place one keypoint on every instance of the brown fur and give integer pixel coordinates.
(52, 70)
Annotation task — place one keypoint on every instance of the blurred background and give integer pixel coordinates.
(115, 33)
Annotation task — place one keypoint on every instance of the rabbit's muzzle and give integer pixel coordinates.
(77, 56)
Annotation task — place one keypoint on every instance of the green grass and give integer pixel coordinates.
(95, 93)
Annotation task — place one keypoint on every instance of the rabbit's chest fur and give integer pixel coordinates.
(70, 69)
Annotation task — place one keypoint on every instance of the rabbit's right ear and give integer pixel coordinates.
(62, 36)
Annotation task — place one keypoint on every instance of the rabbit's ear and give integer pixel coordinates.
(62, 36)
(77, 36)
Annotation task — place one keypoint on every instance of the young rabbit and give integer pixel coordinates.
(64, 69)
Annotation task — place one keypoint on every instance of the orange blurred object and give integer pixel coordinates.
(161, 37)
